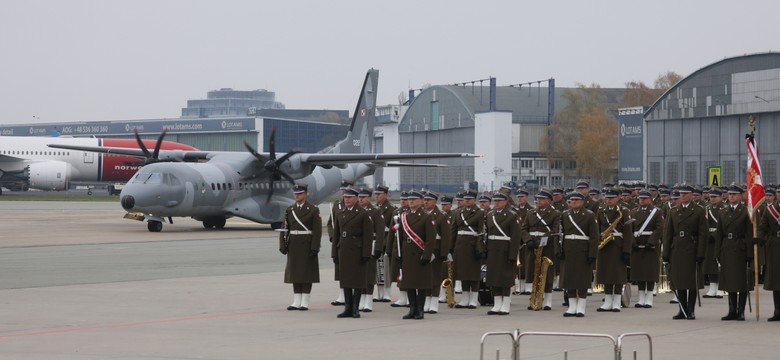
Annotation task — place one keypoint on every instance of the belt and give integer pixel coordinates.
(499, 237)
(576, 237)
(618, 234)
(731, 236)
(642, 233)
(349, 234)
(713, 229)
(438, 237)
(469, 233)
(685, 233)
(537, 233)
(300, 232)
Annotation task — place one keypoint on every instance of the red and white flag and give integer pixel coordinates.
(755, 184)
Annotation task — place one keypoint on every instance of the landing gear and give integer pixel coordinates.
(154, 226)
(214, 223)
(220, 223)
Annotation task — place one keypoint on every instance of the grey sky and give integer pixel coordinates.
(121, 60)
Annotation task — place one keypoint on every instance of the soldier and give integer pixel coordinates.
(655, 195)
(441, 248)
(710, 267)
(503, 242)
(484, 203)
(769, 238)
(578, 252)
(384, 283)
(300, 241)
(584, 188)
(446, 209)
(417, 235)
(470, 224)
(507, 189)
(351, 250)
(625, 201)
(734, 250)
(685, 234)
(522, 208)
(595, 195)
(647, 227)
(769, 198)
(558, 201)
(377, 249)
(392, 247)
(613, 256)
(335, 208)
(459, 204)
(539, 230)
(697, 197)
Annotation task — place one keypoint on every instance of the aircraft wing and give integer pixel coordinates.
(335, 159)
(175, 155)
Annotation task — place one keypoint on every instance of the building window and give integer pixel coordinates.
(571, 165)
(672, 172)
(655, 172)
(556, 181)
(542, 180)
(729, 170)
(515, 164)
(690, 172)
(556, 164)
(769, 171)
(526, 164)
(540, 164)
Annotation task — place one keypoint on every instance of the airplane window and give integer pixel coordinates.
(213, 187)
(141, 178)
(224, 186)
(230, 186)
(219, 186)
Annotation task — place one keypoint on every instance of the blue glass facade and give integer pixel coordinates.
(309, 136)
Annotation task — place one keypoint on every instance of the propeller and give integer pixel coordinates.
(151, 157)
(272, 164)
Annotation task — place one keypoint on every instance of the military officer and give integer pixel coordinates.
(503, 242)
(392, 247)
(459, 204)
(584, 188)
(769, 197)
(595, 195)
(441, 248)
(469, 222)
(697, 197)
(578, 252)
(522, 208)
(710, 267)
(647, 227)
(446, 209)
(734, 251)
(353, 234)
(540, 227)
(384, 282)
(301, 243)
(613, 256)
(335, 208)
(377, 249)
(484, 203)
(769, 238)
(507, 189)
(685, 236)
(417, 236)
(558, 200)
(655, 195)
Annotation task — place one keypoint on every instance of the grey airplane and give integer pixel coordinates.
(212, 186)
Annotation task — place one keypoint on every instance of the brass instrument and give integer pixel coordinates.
(449, 285)
(541, 265)
(607, 235)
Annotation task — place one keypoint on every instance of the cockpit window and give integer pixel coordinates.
(148, 178)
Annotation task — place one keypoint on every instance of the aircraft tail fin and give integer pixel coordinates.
(360, 137)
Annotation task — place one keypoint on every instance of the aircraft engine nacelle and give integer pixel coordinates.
(48, 175)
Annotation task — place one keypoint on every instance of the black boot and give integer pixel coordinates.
(682, 298)
(692, 304)
(356, 302)
(412, 295)
(565, 297)
(732, 315)
(347, 304)
(419, 314)
(741, 305)
(776, 298)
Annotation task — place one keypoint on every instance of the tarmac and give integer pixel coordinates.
(80, 282)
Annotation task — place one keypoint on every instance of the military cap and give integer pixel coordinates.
(484, 198)
(459, 195)
(365, 192)
(770, 191)
(345, 184)
(508, 185)
(350, 192)
(521, 193)
(414, 194)
(735, 189)
(446, 200)
(625, 192)
(609, 185)
(381, 189)
(499, 196)
(404, 195)
(594, 192)
(431, 195)
(582, 184)
(697, 191)
(685, 188)
(662, 186)
(576, 196)
(638, 185)
(665, 192)
(557, 191)
(300, 188)
(705, 189)
(675, 194)
(469, 194)
(611, 193)
(715, 192)
(544, 194)
(652, 187)
(644, 194)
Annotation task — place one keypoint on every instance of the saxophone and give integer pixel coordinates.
(607, 235)
(541, 265)
(449, 285)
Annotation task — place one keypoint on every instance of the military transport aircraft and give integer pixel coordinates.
(27, 163)
(211, 186)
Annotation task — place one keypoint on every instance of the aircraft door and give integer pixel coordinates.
(89, 157)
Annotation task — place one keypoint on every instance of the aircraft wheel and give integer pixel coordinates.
(154, 226)
(1, 190)
(220, 223)
(208, 224)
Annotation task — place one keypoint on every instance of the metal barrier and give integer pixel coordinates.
(617, 344)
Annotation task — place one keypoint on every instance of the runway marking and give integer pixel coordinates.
(145, 323)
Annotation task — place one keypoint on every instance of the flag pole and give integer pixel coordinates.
(751, 129)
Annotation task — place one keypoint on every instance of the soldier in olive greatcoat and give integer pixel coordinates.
(541, 228)
(417, 237)
(734, 251)
(503, 242)
(648, 228)
(769, 238)
(353, 234)
(300, 241)
(578, 252)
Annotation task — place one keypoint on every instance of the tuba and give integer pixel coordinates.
(607, 235)
(541, 265)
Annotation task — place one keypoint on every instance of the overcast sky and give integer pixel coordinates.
(82, 60)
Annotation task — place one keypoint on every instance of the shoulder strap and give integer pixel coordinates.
(543, 222)
(499, 227)
(299, 220)
(575, 225)
(647, 221)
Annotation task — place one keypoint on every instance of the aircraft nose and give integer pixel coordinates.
(128, 202)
